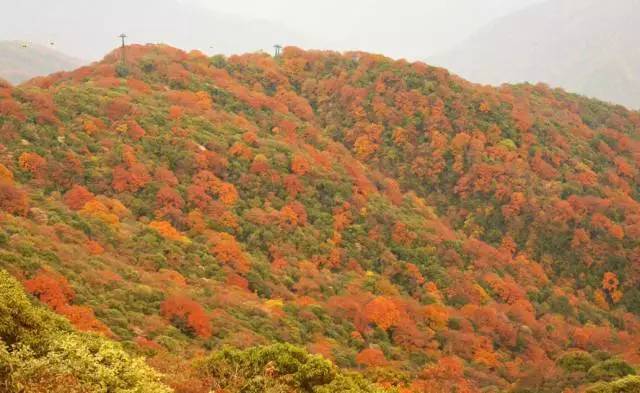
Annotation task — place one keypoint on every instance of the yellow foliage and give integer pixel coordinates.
(168, 231)
(122, 128)
(5, 175)
(204, 100)
(99, 210)
(364, 147)
(600, 300)
(484, 296)
(275, 303)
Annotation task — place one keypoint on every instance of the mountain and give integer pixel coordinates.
(316, 222)
(20, 61)
(182, 23)
(585, 46)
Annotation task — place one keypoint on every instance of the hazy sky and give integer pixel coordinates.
(413, 29)
(400, 28)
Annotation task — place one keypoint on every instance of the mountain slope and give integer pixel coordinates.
(588, 47)
(20, 61)
(427, 232)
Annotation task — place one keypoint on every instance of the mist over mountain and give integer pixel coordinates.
(20, 61)
(586, 46)
(90, 29)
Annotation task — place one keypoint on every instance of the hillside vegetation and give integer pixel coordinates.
(393, 220)
(40, 352)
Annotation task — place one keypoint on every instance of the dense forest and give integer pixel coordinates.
(313, 222)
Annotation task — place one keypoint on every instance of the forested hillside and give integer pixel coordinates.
(422, 233)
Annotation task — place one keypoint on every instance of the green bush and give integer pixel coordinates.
(279, 368)
(122, 70)
(39, 352)
(629, 384)
(576, 361)
(610, 370)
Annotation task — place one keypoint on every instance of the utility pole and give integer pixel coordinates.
(123, 36)
(277, 48)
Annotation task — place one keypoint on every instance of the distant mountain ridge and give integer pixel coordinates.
(184, 24)
(21, 61)
(586, 46)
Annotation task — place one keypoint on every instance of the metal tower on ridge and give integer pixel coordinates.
(123, 36)
(278, 48)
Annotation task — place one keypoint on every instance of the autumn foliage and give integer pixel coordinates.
(188, 312)
(32, 162)
(51, 288)
(54, 290)
(13, 200)
(77, 197)
(371, 357)
(432, 234)
(167, 230)
(383, 312)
